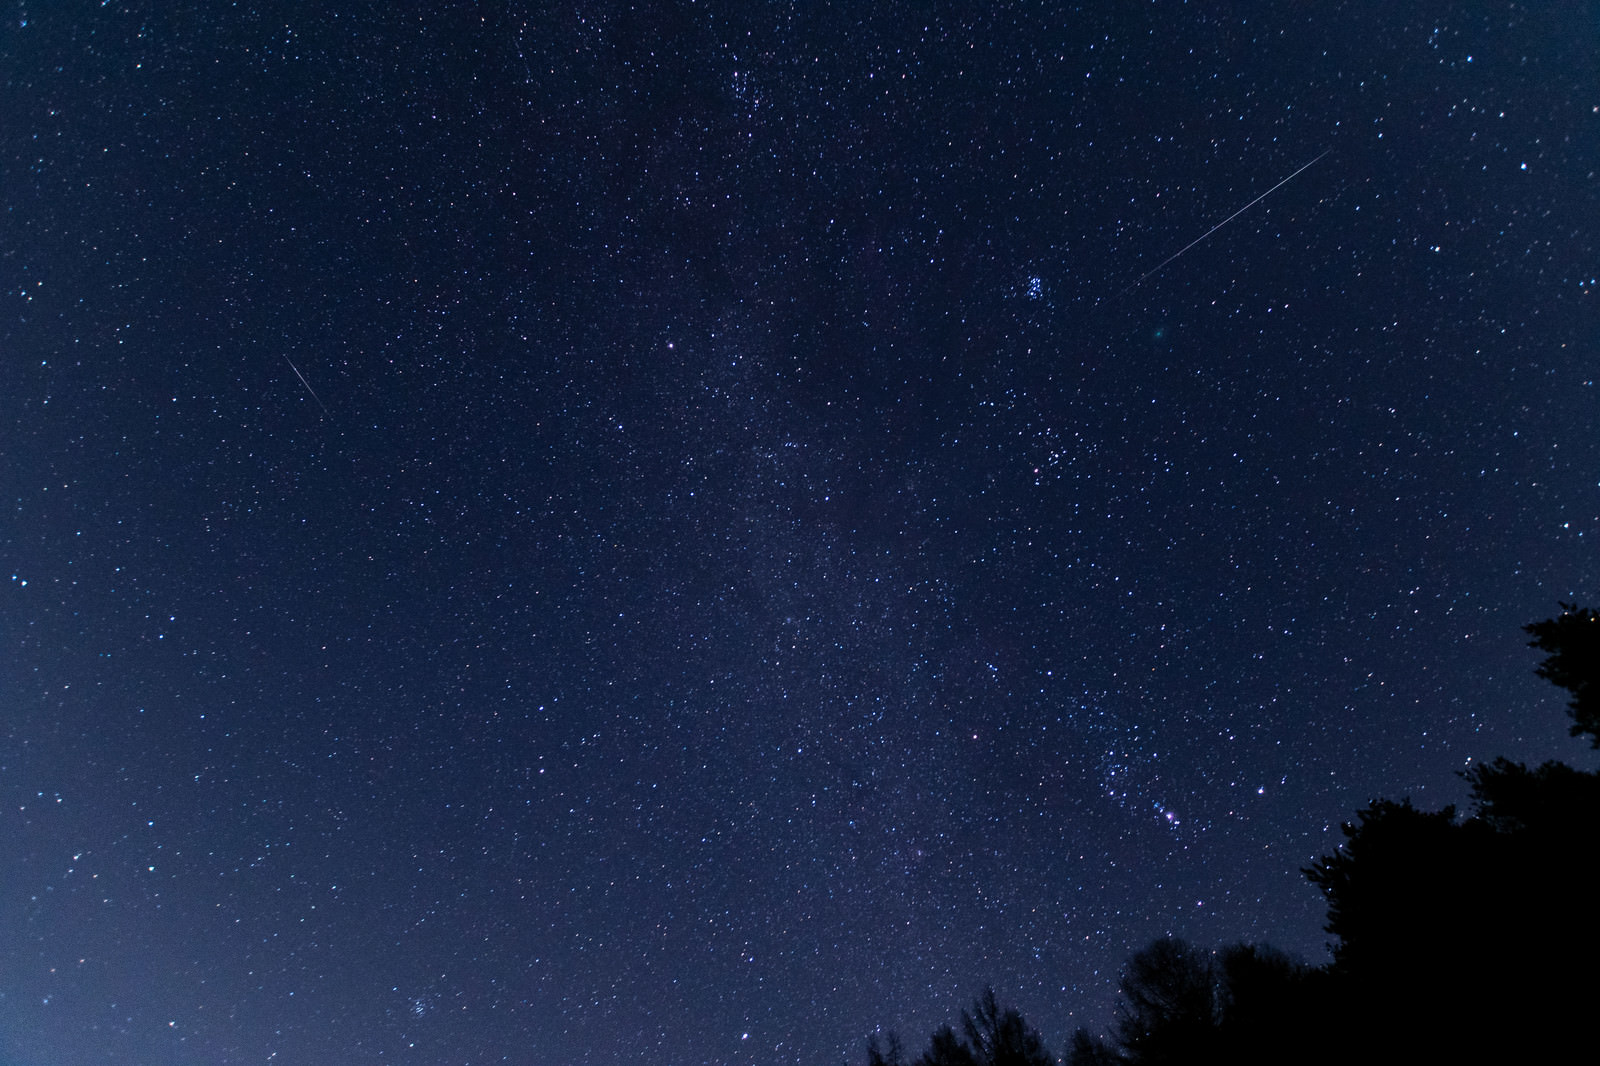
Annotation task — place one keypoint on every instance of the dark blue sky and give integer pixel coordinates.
(757, 563)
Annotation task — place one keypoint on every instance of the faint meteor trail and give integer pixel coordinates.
(1156, 269)
(307, 384)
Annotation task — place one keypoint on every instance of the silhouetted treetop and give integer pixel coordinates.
(1169, 1006)
(1572, 639)
(1386, 885)
(1469, 939)
(991, 1035)
(1242, 1005)
(1456, 939)
(1552, 801)
(997, 1036)
(879, 1055)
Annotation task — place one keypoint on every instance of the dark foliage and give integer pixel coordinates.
(1456, 939)
(1554, 804)
(878, 1055)
(991, 1035)
(1271, 1004)
(1086, 1050)
(1243, 1004)
(1459, 937)
(1573, 640)
(1389, 885)
(997, 1036)
(1170, 1004)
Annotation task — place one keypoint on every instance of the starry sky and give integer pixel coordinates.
(605, 533)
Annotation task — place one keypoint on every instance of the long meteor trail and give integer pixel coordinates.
(1157, 268)
(307, 384)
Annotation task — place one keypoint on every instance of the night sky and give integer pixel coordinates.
(686, 533)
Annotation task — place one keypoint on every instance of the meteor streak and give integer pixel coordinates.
(1157, 268)
(307, 384)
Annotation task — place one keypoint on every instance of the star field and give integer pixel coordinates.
(556, 534)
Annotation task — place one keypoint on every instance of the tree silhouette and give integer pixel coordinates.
(1465, 939)
(1269, 1003)
(1386, 885)
(946, 1049)
(878, 1055)
(1554, 802)
(997, 1036)
(1169, 1010)
(1573, 640)
(991, 1035)
(1087, 1050)
(1243, 1004)
(1470, 938)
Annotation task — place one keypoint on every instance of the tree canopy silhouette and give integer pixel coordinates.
(1458, 936)
(1243, 1004)
(1455, 938)
(991, 1035)
(1573, 640)
(1170, 1003)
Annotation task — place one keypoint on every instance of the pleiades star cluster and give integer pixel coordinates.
(696, 532)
